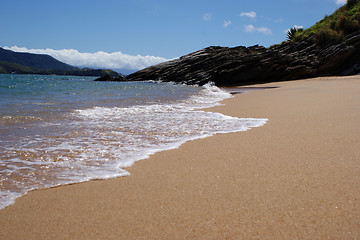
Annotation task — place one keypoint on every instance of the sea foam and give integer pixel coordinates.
(100, 142)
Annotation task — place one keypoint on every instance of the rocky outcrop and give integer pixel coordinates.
(247, 65)
(108, 78)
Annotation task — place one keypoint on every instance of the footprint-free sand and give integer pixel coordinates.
(296, 177)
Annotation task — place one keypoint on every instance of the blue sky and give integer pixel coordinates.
(152, 28)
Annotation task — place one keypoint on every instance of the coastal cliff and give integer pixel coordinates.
(330, 47)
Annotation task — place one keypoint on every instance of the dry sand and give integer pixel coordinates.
(297, 177)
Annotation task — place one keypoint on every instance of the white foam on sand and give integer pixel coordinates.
(99, 142)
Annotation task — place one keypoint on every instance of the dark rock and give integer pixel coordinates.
(356, 69)
(240, 65)
(108, 78)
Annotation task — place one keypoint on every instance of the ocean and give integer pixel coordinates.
(57, 130)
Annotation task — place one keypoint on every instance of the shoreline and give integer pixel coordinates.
(165, 129)
(295, 177)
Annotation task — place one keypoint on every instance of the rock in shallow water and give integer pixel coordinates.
(108, 78)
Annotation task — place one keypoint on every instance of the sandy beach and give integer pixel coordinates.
(296, 177)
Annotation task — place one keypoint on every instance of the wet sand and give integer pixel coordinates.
(296, 177)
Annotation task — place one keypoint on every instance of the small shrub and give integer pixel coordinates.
(333, 25)
(351, 3)
(357, 16)
(326, 36)
(346, 25)
(293, 33)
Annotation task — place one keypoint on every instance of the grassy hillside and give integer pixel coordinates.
(335, 27)
(10, 67)
(28, 63)
(34, 61)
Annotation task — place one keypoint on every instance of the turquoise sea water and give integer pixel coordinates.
(57, 130)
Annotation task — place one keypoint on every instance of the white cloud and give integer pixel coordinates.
(295, 26)
(250, 28)
(340, 2)
(299, 27)
(264, 30)
(207, 16)
(115, 60)
(227, 23)
(251, 14)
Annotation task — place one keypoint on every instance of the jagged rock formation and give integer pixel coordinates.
(240, 65)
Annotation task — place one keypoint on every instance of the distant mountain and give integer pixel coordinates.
(35, 61)
(29, 63)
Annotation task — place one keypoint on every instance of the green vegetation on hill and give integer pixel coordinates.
(28, 63)
(333, 28)
(10, 67)
(34, 61)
